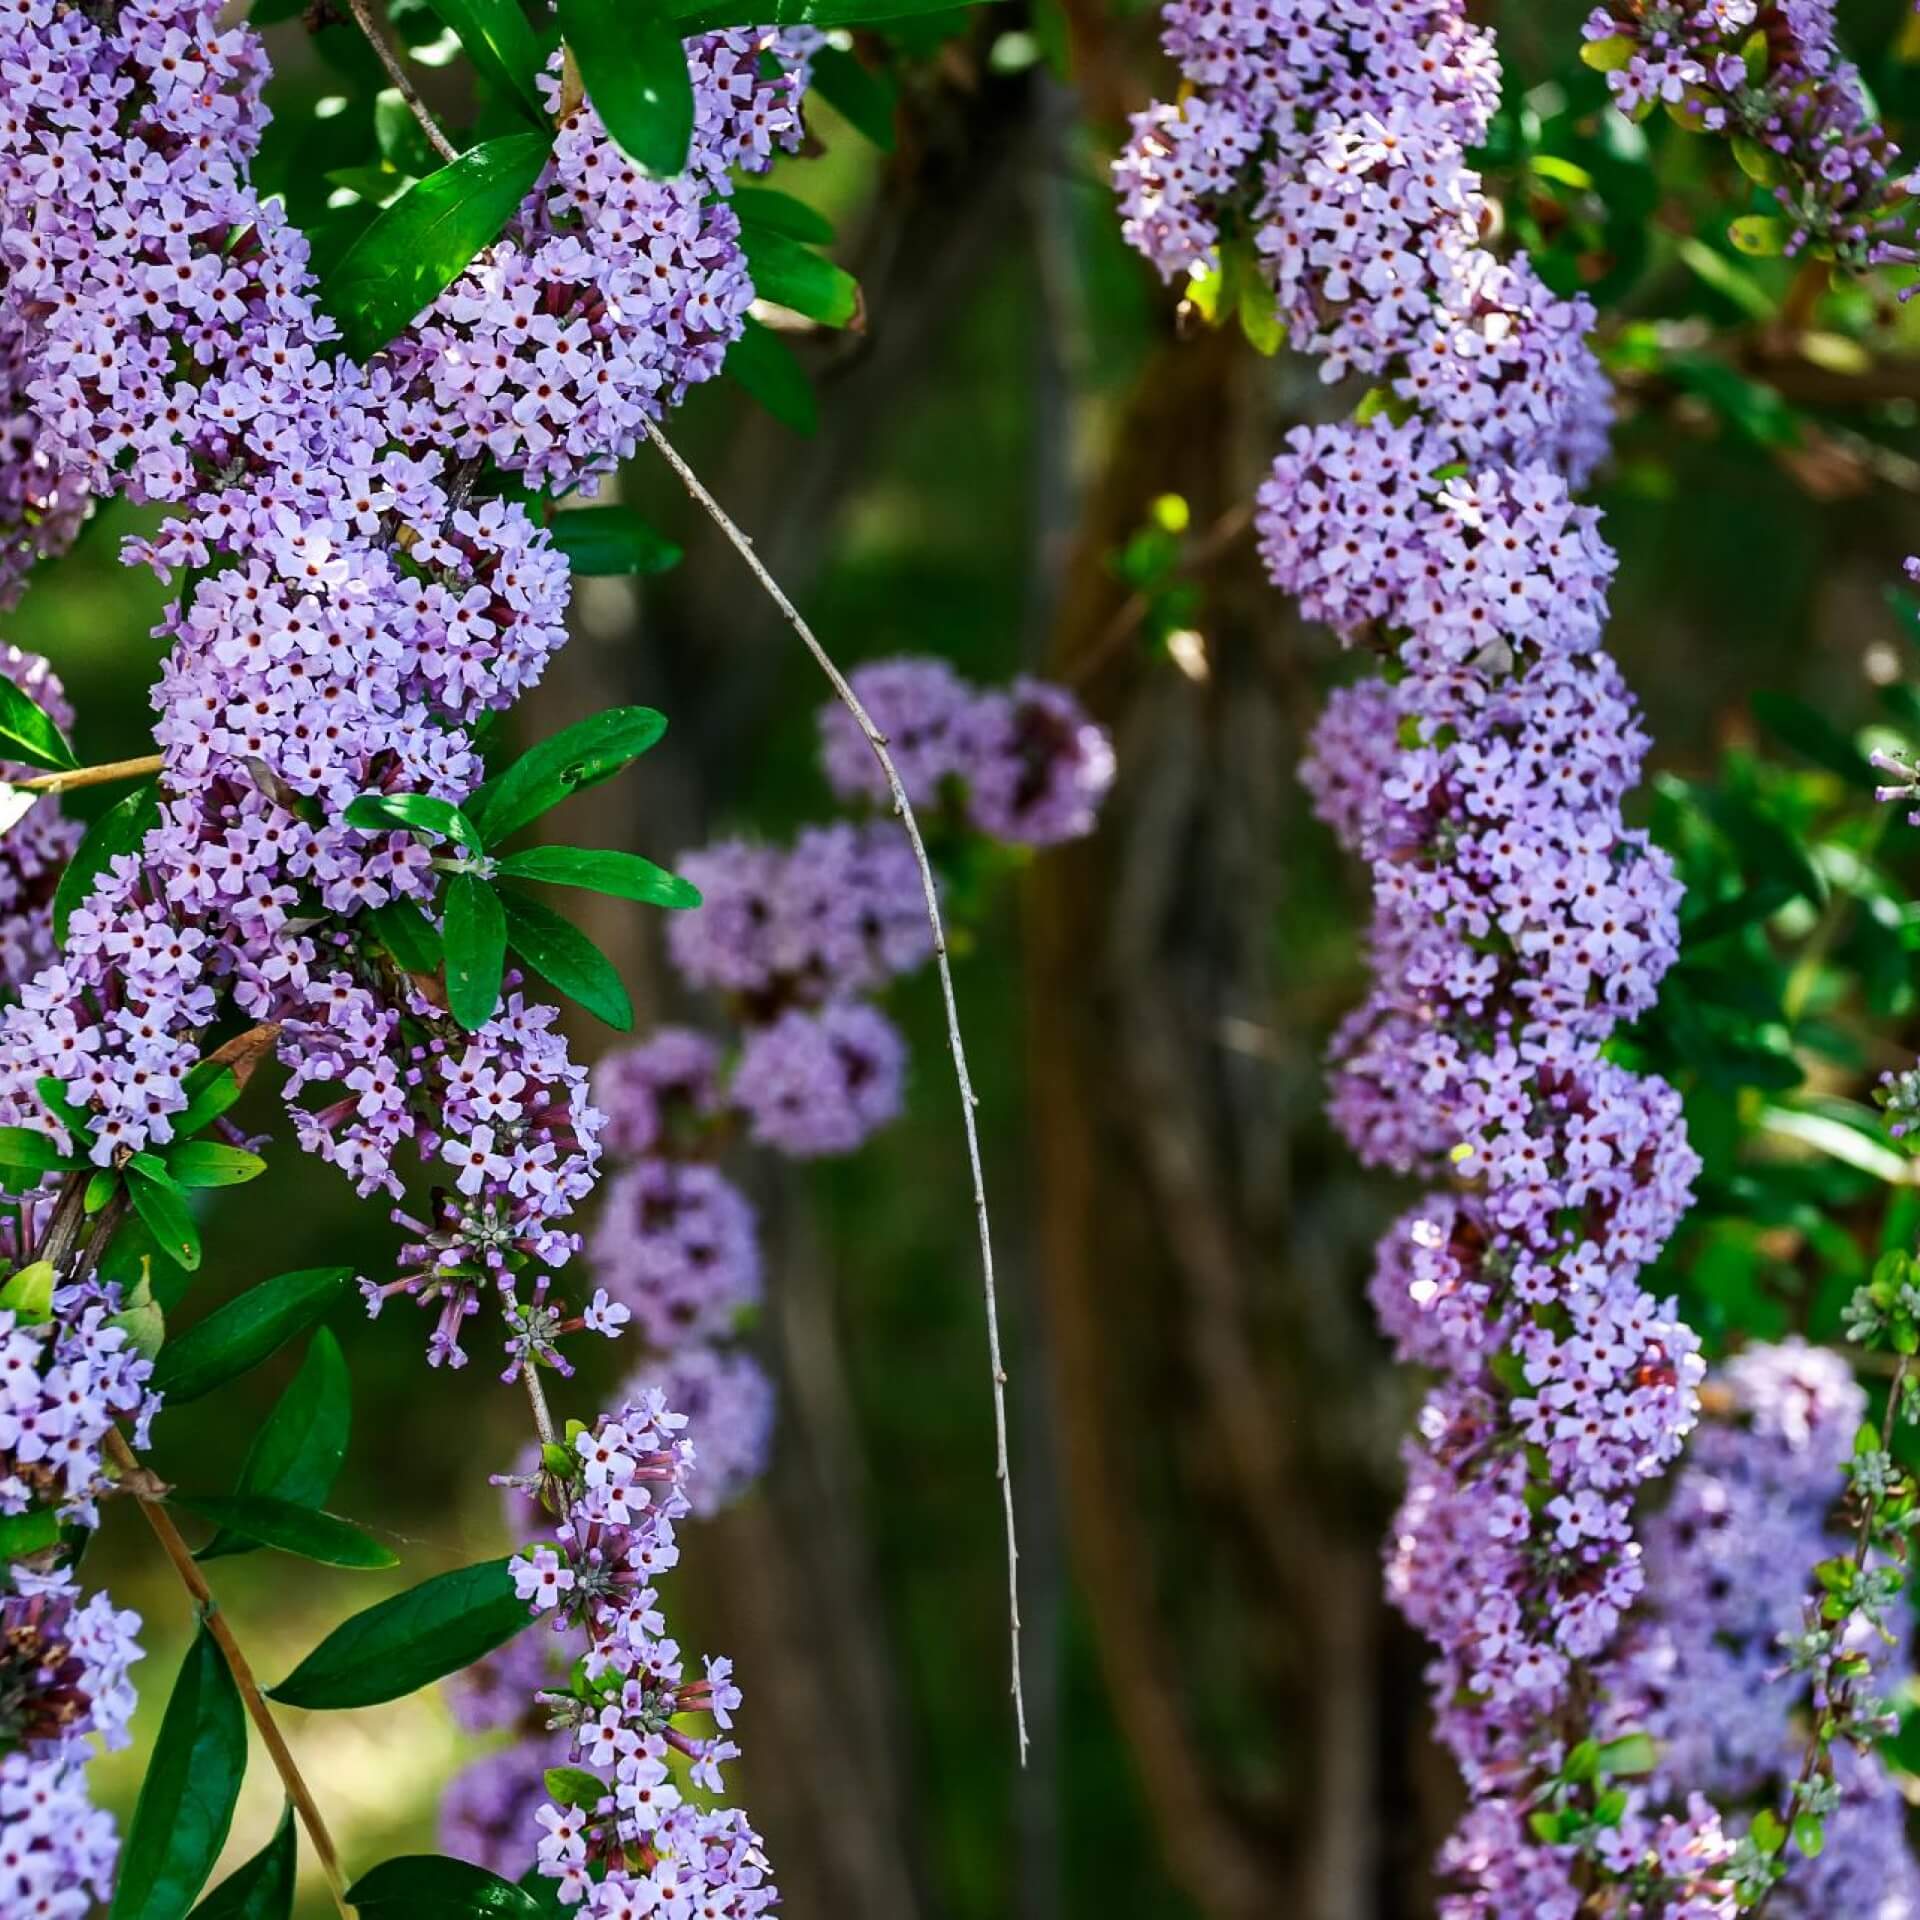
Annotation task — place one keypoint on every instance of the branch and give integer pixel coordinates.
(150, 1495)
(401, 79)
(969, 1100)
(100, 776)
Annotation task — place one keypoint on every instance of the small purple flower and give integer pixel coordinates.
(821, 1083)
(1037, 768)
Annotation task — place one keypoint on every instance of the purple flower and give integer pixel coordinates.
(677, 1245)
(1037, 768)
(916, 703)
(821, 1083)
(728, 1402)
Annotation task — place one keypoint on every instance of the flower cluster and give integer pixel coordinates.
(35, 849)
(1324, 150)
(630, 1840)
(1768, 76)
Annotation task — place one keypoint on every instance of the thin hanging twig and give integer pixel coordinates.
(969, 1100)
(398, 74)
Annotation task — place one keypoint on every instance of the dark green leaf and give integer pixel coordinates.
(420, 812)
(1729, 916)
(866, 99)
(206, 1163)
(694, 16)
(624, 875)
(500, 43)
(1812, 734)
(635, 68)
(260, 1888)
(27, 1150)
(186, 1802)
(164, 1209)
(782, 213)
(605, 540)
(119, 830)
(243, 1332)
(409, 1641)
(578, 756)
(765, 365)
(574, 1787)
(567, 960)
(408, 935)
(1766, 849)
(292, 1528)
(212, 1087)
(54, 1096)
(297, 1452)
(27, 732)
(475, 938)
(429, 1886)
(421, 244)
(30, 1532)
(795, 277)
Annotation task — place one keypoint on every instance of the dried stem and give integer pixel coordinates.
(398, 74)
(969, 1100)
(100, 776)
(151, 1494)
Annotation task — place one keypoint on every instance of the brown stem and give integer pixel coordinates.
(150, 1495)
(100, 776)
(363, 19)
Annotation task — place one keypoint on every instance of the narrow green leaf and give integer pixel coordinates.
(1811, 734)
(578, 756)
(609, 540)
(602, 870)
(475, 937)
(635, 67)
(30, 1532)
(159, 1203)
(408, 935)
(416, 248)
(242, 1333)
(206, 1163)
(429, 1886)
(567, 960)
(119, 830)
(55, 1096)
(186, 1802)
(28, 1294)
(795, 277)
(708, 16)
(27, 731)
(501, 44)
(292, 1528)
(765, 366)
(574, 1787)
(409, 1641)
(260, 1888)
(865, 98)
(420, 812)
(212, 1087)
(27, 1150)
(782, 213)
(296, 1453)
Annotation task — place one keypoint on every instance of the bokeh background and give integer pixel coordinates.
(1227, 1721)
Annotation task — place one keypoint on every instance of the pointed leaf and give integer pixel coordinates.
(475, 937)
(567, 960)
(119, 830)
(407, 934)
(409, 1641)
(867, 100)
(260, 1888)
(635, 68)
(164, 1209)
(601, 870)
(795, 277)
(765, 366)
(609, 540)
(297, 1452)
(27, 1150)
(30, 1532)
(304, 1531)
(430, 1886)
(418, 812)
(501, 44)
(186, 1802)
(27, 732)
(417, 247)
(692, 16)
(578, 756)
(212, 1087)
(206, 1163)
(243, 1332)
(782, 213)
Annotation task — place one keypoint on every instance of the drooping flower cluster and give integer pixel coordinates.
(1517, 920)
(639, 1844)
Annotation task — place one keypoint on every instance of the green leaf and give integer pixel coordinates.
(1759, 235)
(242, 1333)
(635, 68)
(1632, 1753)
(186, 1802)
(475, 937)
(27, 732)
(865, 99)
(602, 870)
(260, 1888)
(501, 44)
(421, 812)
(28, 1294)
(1751, 904)
(795, 277)
(206, 1163)
(296, 1453)
(1810, 733)
(119, 830)
(410, 1640)
(567, 960)
(407, 934)
(765, 366)
(608, 540)
(28, 1150)
(1609, 55)
(31, 1532)
(707, 16)
(416, 248)
(578, 756)
(782, 213)
(292, 1528)
(212, 1087)
(574, 1787)
(429, 1886)
(54, 1096)
(163, 1207)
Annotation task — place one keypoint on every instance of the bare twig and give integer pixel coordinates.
(956, 1046)
(151, 1493)
(398, 74)
(100, 776)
